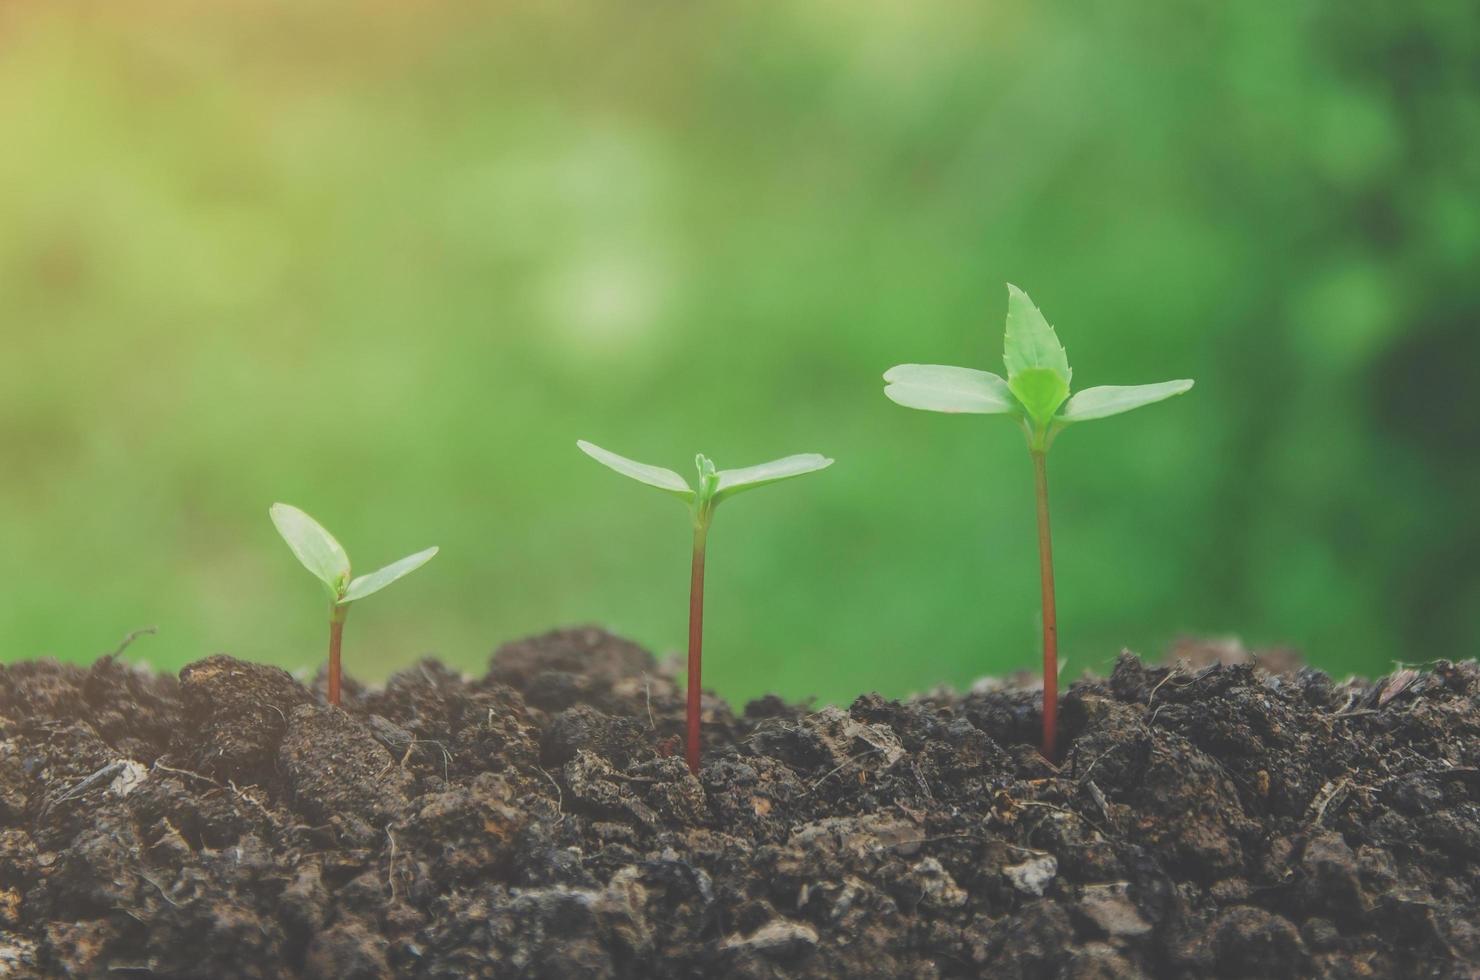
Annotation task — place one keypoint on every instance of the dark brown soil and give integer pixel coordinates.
(539, 822)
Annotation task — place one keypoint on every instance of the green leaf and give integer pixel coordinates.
(940, 388)
(379, 579)
(708, 480)
(1107, 400)
(732, 482)
(653, 476)
(1041, 390)
(314, 546)
(1030, 342)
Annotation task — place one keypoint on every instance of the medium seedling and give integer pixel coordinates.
(316, 548)
(712, 487)
(1036, 394)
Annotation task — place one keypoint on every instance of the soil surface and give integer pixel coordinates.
(1223, 820)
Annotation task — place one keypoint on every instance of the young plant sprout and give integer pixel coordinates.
(1036, 394)
(712, 487)
(321, 554)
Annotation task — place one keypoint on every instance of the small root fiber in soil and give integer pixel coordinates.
(539, 821)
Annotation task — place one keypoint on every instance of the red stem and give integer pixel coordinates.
(337, 615)
(1050, 614)
(696, 645)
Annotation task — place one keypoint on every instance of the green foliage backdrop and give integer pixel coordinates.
(388, 262)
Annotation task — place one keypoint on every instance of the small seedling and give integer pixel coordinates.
(1036, 394)
(321, 554)
(712, 487)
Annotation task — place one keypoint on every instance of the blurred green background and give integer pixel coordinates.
(389, 261)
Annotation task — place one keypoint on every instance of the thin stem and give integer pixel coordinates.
(696, 641)
(1050, 614)
(337, 615)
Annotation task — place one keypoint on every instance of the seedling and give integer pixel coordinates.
(321, 554)
(712, 487)
(1036, 394)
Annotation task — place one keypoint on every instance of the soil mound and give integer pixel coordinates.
(539, 822)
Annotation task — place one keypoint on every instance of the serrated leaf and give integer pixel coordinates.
(1041, 391)
(941, 388)
(1108, 400)
(732, 482)
(314, 546)
(1030, 343)
(654, 476)
(380, 578)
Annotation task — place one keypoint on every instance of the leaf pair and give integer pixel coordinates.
(1037, 385)
(713, 485)
(316, 548)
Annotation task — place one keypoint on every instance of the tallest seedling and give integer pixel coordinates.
(712, 487)
(1036, 394)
